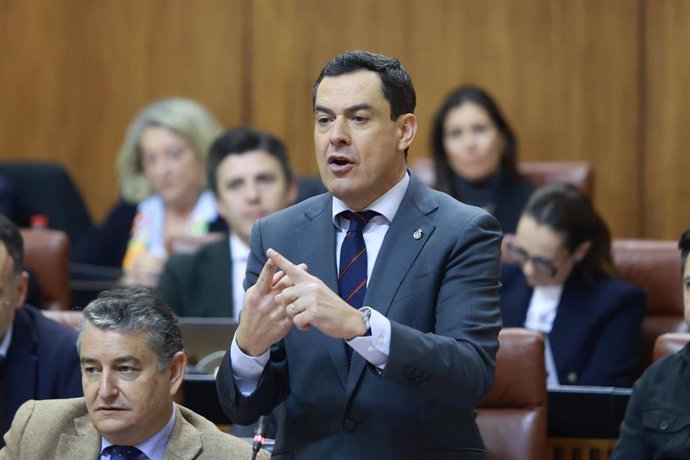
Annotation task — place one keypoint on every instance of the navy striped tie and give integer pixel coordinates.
(352, 276)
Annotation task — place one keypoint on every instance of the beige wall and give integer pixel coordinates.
(607, 82)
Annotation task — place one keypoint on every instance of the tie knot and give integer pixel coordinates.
(122, 452)
(358, 220)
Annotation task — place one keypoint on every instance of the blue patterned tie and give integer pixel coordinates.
(123, 453)
(352, 276)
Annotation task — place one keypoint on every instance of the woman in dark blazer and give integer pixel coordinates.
(475, 156)
(562, 282)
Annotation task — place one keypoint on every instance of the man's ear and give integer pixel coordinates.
(177, 367)
(407, 126)
(22, 288)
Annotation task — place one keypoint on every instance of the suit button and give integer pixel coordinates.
(349, 424)
(663, 425)
(572, 377)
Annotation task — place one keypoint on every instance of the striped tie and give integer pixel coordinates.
(352, 277)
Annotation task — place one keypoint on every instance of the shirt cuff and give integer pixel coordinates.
(375, 348)
(246, 370)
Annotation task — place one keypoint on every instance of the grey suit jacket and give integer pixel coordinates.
(61, 429)
(440, 293)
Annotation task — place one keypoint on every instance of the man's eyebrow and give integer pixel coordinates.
(349, 109)
(118, 360)
(320, 108)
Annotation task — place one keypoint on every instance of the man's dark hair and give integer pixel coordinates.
(130, 310)
(12, 239)
(242, 140)
(684, 246)
(396, 84)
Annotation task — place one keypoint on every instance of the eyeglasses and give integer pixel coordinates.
(542, 267)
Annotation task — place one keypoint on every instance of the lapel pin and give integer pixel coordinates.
(417, 234)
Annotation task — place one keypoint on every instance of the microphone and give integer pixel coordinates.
(259, 435)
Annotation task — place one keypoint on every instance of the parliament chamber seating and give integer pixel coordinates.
(669, 343)
(578, 173)
(654, 266)
(46, 189)
(512, 417)
(46, 254)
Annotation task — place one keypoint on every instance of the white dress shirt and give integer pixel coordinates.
(543, 307)
(240, 255)
(154, 447)
(375, 348)
(6, 340)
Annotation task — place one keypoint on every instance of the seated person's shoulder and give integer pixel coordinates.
(42, 412)
(215, 443)
(46, 329)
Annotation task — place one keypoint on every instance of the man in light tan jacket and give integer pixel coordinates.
(132, 365)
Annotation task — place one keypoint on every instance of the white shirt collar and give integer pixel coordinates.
(154, 447)
(387, 204)
(6, 340)
(238, 250)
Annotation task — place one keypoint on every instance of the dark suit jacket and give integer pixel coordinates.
(199, 284)
(440, 293)
(42, 362)
(596, 335)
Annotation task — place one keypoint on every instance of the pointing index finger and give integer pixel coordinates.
(295, 273)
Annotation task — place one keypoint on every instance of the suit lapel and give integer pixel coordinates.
(185, 441)
(218, 273)
(86, 444)
(21, 382)
(407, 235)
(318, 233)
(570, 323)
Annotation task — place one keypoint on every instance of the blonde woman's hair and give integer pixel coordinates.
(184, 117)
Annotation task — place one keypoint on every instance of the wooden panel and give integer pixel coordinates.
(291, 41)
(566, 73)
(666, 118)
(75, 72)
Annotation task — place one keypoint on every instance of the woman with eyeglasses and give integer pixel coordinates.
(475, 156)
(562, 282)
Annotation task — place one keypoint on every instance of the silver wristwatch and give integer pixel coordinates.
(366, 318)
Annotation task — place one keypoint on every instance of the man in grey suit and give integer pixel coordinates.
(132, 365)
(425, 328)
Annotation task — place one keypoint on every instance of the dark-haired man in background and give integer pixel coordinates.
(657, 419)
(392, 351)
(251, 178)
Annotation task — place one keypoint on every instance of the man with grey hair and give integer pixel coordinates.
(132, 365)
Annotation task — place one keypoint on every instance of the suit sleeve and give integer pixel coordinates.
(456, 363)
(273, 383)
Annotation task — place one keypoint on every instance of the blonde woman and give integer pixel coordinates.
(162, 184)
